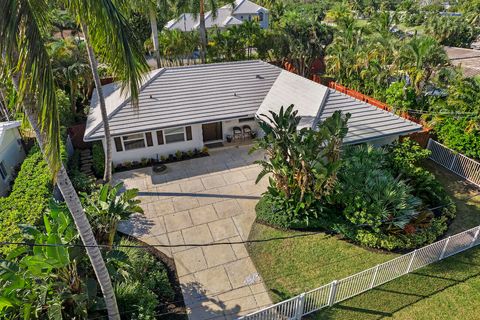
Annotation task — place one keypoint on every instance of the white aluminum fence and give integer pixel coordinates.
(340, 290)
(456, 162)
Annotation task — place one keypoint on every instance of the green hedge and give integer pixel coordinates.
(98, 156)
(28, 200)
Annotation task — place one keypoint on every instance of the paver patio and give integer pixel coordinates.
(203, 209)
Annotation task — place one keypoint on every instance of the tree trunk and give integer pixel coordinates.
(107, 176)
(79, 217)
(153, 24)
(203, 33)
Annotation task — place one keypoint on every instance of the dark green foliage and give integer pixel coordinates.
(406, 155)
(44, 282)
(303, 164)
(81, 181)
(149, 270)
(388, 201)
(28, 200)
(461, 135)
(98, 156)
(135, 302)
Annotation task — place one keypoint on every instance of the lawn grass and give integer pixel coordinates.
(446, 290)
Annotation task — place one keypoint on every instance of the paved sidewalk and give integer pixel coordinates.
(209, 202)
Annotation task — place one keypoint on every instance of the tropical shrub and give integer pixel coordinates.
(461, 135)
(106, 207)
(44, 282)
(98, 157)
(28, 200)
(135, 302)
(147, 269)
(387, 201)
(302, 163)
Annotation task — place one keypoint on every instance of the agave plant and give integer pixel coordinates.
(107, 207)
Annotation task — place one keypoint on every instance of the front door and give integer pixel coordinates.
(212, 131)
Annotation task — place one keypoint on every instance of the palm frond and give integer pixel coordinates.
(25, 59)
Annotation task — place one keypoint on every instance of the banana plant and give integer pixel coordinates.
(41, 280)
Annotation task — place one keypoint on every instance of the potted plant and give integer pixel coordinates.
(253, 134)
(229, 138)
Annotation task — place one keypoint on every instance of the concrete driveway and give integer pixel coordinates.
(202, 210)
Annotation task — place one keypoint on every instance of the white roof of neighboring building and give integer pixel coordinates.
(224, 18)
(193, 94)
(186, 22)
(4, 126)
(246, 7)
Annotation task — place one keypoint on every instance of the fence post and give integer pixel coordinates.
(429, 143)
(475, 237)
(333, 293)
(411, 261)
(453, 162)
(374, 277)
(300, 304)
(444, 248)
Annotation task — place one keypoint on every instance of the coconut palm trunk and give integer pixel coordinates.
(203, 32)
(153, 24)
(107, 175)
(75, 206)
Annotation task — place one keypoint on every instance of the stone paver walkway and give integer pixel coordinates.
(201, 202)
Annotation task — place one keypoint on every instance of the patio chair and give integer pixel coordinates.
(237, 133)
(247, 131)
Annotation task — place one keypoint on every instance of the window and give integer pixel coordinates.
(246, 119)
(160, 137)
(118, 144)
(174, 135)
(3, 171)
(134, 141)
(260, 16)
(148, 135)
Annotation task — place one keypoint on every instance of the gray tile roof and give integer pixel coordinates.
(185, 95)
(204, 93)
(367, 122)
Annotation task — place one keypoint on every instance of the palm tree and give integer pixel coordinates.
(420, 58)
(198, 9)
(25, 61)
(106, 30)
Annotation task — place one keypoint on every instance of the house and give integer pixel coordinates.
(227, 16)
(186, 108)
(11, 153)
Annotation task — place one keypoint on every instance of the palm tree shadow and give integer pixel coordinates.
(202, 307)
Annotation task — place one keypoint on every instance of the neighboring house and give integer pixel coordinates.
(467, 59)
(11, 153)
(227, 16)
(183, 108)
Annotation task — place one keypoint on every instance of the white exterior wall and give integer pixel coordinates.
(252, 16)
(156, 151)
(227, 126)
(383, 141)
(11, 154)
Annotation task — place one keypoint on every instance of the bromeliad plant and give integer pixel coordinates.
(107, 207)
(303, 164)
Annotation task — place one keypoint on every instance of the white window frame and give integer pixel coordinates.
(144, 141)
(3, 171)
(171, 134)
